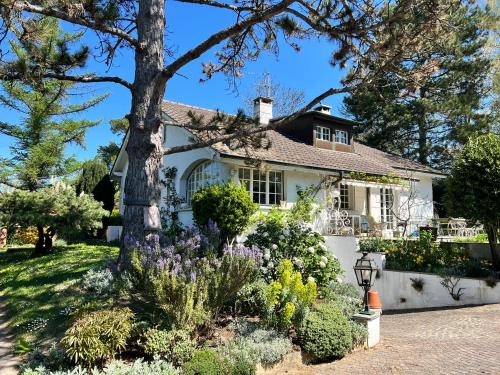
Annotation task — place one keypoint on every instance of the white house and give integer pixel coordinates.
(360, 189)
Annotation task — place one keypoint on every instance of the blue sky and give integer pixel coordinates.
(187, 25)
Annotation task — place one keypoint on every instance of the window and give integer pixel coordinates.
(206, 173)
(344, 196)
(386, 203)
(341, 136)
(264, 187)
(323, 133)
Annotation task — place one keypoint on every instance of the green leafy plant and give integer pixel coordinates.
(472, 188)
(175, 345)
(251, 298)
(98, 335)
(206, 362)
(288, 299)
(52, 360)
(229, 205)
(98, 281)
(325, 333)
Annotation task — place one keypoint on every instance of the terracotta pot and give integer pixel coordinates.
(374, 299)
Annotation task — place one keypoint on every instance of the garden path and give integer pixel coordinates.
(450, 341)
(8, 361)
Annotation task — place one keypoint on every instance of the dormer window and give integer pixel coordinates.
(323, 133)
(341, 136)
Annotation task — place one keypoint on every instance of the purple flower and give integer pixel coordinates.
(192, 276)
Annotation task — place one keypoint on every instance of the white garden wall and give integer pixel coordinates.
(395, 287)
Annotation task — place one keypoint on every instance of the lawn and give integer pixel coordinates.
(40, 293)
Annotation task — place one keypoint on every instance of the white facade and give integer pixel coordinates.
(364, 199)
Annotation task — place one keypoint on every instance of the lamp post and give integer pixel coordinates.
(365, 270)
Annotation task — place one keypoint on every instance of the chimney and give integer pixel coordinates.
(263, 109)
(323, 108)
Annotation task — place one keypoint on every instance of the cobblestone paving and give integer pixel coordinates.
(453, 341)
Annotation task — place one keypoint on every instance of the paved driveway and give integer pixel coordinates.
(453, 341)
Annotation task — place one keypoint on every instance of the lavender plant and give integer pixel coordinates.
(188, 281)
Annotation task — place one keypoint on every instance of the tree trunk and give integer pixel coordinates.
(39, 246)
(492, 232)
(422, 132)
(144, 148)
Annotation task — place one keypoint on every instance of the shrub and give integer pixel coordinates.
(25, 236)
(175, 345)
(53, 359)
(359, 333)
(325, 333)
(374, 245)
(240, 360)
(229, 205)
(251, 299)
(115, 367)
(280, 238)
(188, 282)
(98, 335)
(98, 281)
(288, 299)
(266, 345)
(206, 362)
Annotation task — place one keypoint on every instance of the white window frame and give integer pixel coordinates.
(204, 174)
(340, 136)
(323, 133)
(386, 205)
(344, 196)
(247, 177)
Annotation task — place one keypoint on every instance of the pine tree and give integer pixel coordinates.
(109, 152)
(431, 122)
(45, 129)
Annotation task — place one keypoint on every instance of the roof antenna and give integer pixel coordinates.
(265, 87)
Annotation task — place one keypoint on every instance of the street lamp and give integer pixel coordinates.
(365, 270)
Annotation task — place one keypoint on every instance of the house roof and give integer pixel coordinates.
(286, 150)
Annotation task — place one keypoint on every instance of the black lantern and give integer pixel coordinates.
(366, 271)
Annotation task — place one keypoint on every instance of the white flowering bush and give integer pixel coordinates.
(280, 237)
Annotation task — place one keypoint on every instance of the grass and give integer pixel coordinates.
(40, 293)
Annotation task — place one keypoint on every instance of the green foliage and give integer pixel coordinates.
(54, 359)
(347, 299)
(453, 99)
(288, 299)
(115, 367)
(374, 245)
(472, 187)
(44, 130)
(251, 299)
(175, 345)
(98, 335)
(325, 333)
(206, 362)
(190, 288)
(229, 205)
(98, 282)
(262, 345)
(283, 237)
(58, 209)
(302, 209)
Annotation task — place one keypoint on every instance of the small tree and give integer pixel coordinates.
(55, 210)
(229, 206)
(473, 188)
(95, 180)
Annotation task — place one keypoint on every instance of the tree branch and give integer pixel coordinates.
(64, 77)
(218, 4)
(51, 12)
(252, 131)
(222, 35)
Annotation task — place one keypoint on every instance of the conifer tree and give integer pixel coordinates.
(432, 119)
(44, 104)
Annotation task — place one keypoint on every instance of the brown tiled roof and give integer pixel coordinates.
(288, 151)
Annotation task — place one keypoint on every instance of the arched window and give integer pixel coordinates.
(204, 174)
